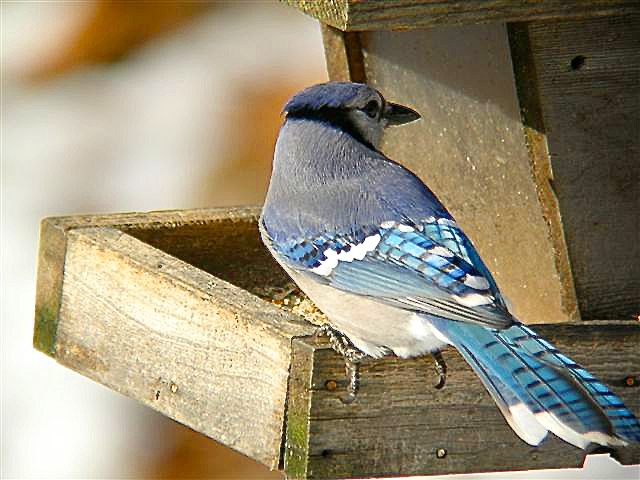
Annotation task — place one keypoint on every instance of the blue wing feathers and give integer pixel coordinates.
(410, 249)
(624, 422)
(415, 267)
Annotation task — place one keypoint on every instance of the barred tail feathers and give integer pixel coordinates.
(538, 389)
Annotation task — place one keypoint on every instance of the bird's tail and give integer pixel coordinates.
(538, 389)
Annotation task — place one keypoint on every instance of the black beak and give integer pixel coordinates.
(399, 114)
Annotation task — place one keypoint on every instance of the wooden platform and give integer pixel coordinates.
(162, 307)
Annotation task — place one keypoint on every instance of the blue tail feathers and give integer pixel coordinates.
(538, 389)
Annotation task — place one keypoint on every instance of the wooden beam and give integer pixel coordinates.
(401, 425)
(526, 82)
(471, 150)
(343, 54)
(197, 348)
(586, 108)
(357, 15)
(186, 234)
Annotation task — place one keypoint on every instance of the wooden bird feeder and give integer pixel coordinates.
(529, 135)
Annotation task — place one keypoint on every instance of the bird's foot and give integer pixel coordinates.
(353, 375)
(352, 356)
(441, 369)
(340, 343)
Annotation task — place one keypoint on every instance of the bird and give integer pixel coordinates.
(372, 246)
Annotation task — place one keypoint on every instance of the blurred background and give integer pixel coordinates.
(128, 106)
(112, 106)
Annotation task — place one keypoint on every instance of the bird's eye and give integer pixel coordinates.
(372, 108)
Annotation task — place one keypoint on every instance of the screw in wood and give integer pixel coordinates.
(441, 452)
(330, 385)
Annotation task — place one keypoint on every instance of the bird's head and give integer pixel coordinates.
(354, 107)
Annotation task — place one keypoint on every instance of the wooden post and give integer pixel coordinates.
(580, 91)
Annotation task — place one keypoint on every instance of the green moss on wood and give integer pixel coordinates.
(296, 445)
(45, 330)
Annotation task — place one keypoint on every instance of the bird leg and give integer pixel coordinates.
(352, 357)
(353, 374)
(441, 369)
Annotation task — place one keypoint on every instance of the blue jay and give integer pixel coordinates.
(386, 262)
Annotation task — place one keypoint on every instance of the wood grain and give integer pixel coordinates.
(146, 324)
(343, 54)
(526, 80)
(355, 15)
(588, 83)
(399, 421)
(203, 352)
(166, 229)
(470, 149)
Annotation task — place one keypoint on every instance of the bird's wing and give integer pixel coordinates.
(429, 267)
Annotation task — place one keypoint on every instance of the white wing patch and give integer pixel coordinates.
(478, 283)
(473, 299)
(525, 424)
(356, 252)
(447, 222)
(405, 228)
(441, 252)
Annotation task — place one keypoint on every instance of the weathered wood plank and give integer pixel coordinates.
(400, 422)
(588, 88)
(353, 15)
(177, 339)
(228, 247)
(533, 128)
(343, 55)
(170, 335)
(202, 237)
(51, 255)
(470, 149)
(175, 232)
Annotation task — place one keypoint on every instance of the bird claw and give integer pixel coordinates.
(441, 369)
(353, 375)
(352, 356)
